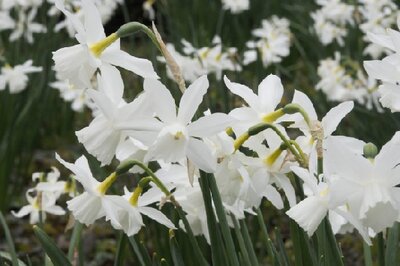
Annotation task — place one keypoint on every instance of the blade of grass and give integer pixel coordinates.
(55, 254)
(248, 242)
(10, 243)
(75, 239)
(392, 243)
(243, 250)
(120, 256)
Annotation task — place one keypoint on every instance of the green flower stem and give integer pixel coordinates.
(293, 108)
(75, 239)
(133, 27)
(254, 130)
(265, 236)
(367, 254)
(219, 208)
(381, 250)
(125, 166)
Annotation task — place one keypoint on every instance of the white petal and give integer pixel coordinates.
(157, 216)
(243, 91)
(56, 210)
(210, 125)
(23, 211)
(86, 208)
(382, 70)
(93, 25)
(332, 119)
(111, 83)
(139, 66)
(308, 213)
(191, 99)
(162, 100)
(199, 153)
(81, 170)
(270, 92)
(106, 106)
(273, 196)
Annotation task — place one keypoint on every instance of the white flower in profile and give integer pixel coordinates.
(179, 137)
(93, 203)
(16, 77)
(369, 186)
(320, 199)
(260, 107)
(128, 216)
(236, 6)
(42, 203)
(78, 63)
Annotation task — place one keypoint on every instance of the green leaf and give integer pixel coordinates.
(119, 259)
(175, 250)
(10, 243)
(248, 242)
(55, 254)
(7, 256)
(392, 244)
(75, 239)
(143, 258)
(219, 208)
(243, 250)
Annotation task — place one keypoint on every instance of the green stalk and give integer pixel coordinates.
(242, 245)
(10, 243)
(248, 242)
(132, 27)
(265, 236)
(119, 259)
(217, 246)
(75, 239)
(392, 245)
(381, 249)
(226, 234)
(367, 254)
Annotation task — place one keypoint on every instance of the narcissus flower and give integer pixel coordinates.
(179, 137)
(78, 63)
(16, 77)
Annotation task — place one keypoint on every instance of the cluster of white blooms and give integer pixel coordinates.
(272, 42)
(250, 152)
(377, 16)
(46, 193)
(387, 70)
(205, 60)
(331, 20)
(344, 80)
(16, 76)
(18, 17)
(236, 6)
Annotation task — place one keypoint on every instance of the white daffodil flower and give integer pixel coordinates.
(92, 204)
(321, 199)
(386, 70)
(26, 27)
(321, 129)
(369, 186)
(115, 117)
(179, 137)
(78, 63)
(270, 167)
(42, 202)
(128, 217)
(261, 107)
(50, 184)
(236, 6)
(16, 77)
